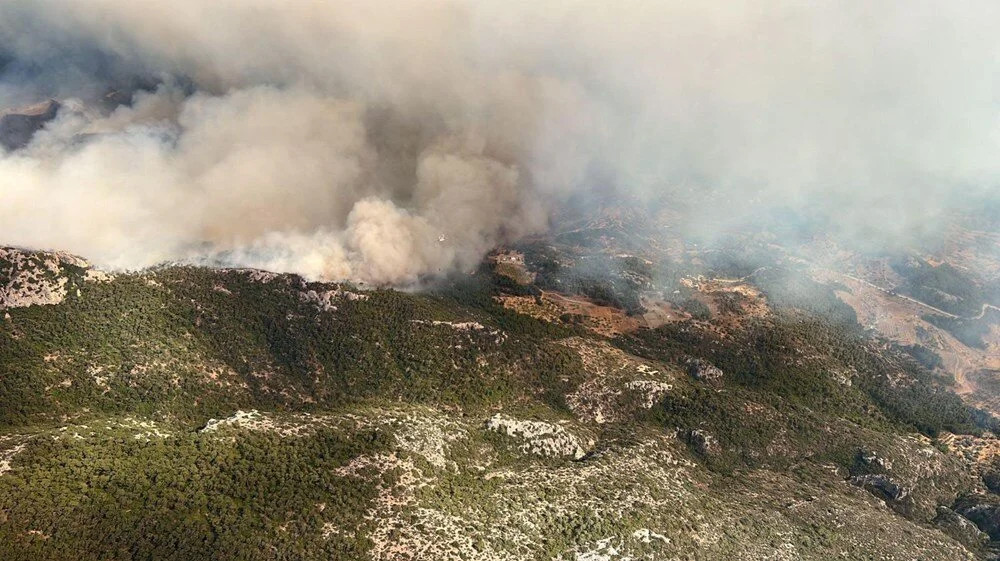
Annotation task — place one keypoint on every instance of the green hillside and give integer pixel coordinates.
(192, 413)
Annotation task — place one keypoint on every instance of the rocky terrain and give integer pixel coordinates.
(607, 391)
(499, 281)
(185, 412)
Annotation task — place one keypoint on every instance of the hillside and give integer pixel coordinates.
(499, 281)
(188, 413)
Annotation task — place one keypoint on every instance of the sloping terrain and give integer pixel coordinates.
(192, 413)
(18, 126)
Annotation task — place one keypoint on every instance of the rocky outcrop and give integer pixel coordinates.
(617, 384)
(704, 371)
(245, 419)
(983, 511)
(983, 455)
(18, 126)
(326, 300)
(911, 476)
(871, 472)
(6, 456)
(702, 442)
(650, 391)
(883, 487)
(538, 437)
(35, 278)
(961, 528)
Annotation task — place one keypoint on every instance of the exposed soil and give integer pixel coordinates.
(899, 319)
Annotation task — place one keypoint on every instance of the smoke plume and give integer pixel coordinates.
(388, 141)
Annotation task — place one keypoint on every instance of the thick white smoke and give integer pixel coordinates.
(385, 141)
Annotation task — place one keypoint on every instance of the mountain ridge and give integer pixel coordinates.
(152, 357)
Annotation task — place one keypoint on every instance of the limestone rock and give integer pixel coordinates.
(538, 437)
(704, 371)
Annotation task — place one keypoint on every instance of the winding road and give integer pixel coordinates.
(982, 310)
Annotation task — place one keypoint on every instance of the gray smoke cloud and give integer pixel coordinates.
(387, 141)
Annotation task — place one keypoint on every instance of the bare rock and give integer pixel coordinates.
(703, 370)
(538, 437)
(882, 486)
(702, 442)
(35, 278)
(983, 511)
(961, 528)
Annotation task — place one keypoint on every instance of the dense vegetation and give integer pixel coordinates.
(806, 372)
(81, 381)
(942, 286)
(151, 344)
(191, 496)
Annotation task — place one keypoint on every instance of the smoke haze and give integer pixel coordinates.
(388, 141)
